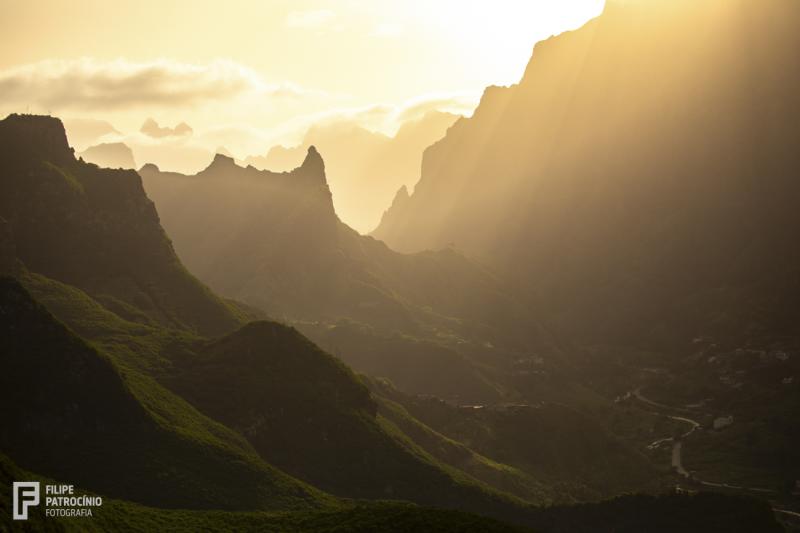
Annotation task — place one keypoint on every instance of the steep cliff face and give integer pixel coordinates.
(96, 229)
(275, 241)
(639, 180)
(251, 234)
(365, 168)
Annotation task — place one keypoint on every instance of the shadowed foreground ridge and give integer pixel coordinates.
(80, 417)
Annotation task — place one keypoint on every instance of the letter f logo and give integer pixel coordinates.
(26, 494)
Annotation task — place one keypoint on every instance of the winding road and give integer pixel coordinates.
(677, 444)
(677, 450)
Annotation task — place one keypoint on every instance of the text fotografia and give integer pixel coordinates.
(59, 500)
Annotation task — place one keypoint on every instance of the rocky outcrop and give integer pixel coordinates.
(96, 229)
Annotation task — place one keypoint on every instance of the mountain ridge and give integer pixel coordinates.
(66, 214)
(275, 241)
(650, 178)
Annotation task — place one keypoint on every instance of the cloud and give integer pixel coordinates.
(310, 19)
(83, 132)
(152, 129)
(457, 104)
(388, 118)
(90, 84)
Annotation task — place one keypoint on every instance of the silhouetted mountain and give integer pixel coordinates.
(96, 229)
(364, 168)
(109, 155)
(640, 181)
(274, 241)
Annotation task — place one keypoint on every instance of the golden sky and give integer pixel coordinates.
(266, 69)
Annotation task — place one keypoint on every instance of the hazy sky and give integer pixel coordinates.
(265, 68)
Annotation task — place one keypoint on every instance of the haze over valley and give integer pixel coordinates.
(461, 266)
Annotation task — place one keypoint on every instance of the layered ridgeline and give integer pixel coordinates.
(88, 244)
(70, 412)
(110, 155)
(96, 229)
(640, 180)
(273, 240)
(145, 409)
(364, 168)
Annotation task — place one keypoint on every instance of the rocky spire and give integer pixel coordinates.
(312, 171)
(221, 161)
(313, 163)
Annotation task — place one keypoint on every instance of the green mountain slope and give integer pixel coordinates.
(306, 413)
(448, 373)
(96, 229)
(117, 515)
(630, 514)
(570, 455)
(301, 409)
(69, 412)
(457, 455)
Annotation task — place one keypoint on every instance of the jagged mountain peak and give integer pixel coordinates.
(313, 162)
(222, 160)
(95, 228)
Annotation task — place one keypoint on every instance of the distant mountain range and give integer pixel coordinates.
(274, 241)
(110, 155)
(364, 168)
(639, 183)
